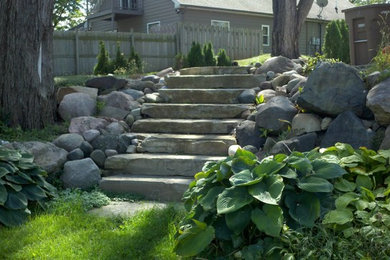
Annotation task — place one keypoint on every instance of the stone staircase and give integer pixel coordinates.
(178, 137)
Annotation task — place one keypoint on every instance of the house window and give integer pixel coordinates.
(128, 4)
(124, 4)
(265, 30)
(153, 27)
(223, 24)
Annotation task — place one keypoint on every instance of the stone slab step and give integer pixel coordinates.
(194, 111)
(158, 164)
(215, 81)
(151, 187)
(201, 96)
(221, 70)
(186, 144)
(186, 126)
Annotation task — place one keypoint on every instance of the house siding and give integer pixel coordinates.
(99, 24)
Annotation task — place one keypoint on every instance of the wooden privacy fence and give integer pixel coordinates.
(75, 52)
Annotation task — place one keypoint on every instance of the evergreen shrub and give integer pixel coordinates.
(336, 44)
(209, 54)
(195, 56)
(223, 59)
(103, 65)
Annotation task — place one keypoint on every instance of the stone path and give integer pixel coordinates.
(125, 209)
(193, 126)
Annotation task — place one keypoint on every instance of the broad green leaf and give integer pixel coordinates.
(245, 178)
(280, 157)
(242, 163)
(351, 161)
(304, 208)
(194, 240)
(245, 153)
(361, 204)
(359, 171)
(201, 175)
(384, 153)
(3, 194)
(253, 252)
(3, 171)
(33, 192)
(342, 184)
(209, 166)
(314, 184)
(344, 200)
(222, 231)
(338, 216)
(364, 181)
(344, 149)
(8, 166)
(269, 220)
(15, 187)
(16, 200)
(268, 167)
(301, 164)
(237, 221)
(208, 201)
(11, 218)
(9, 155)
(232, 199)
(379, 168)
(269, 191)
(327, 170)
(17, 179)
(225, 171)
(367, 194)
(387, 180)
(287, 173)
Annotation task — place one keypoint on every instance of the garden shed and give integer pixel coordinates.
(365, 23)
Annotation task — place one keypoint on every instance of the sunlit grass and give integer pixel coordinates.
(252, 60)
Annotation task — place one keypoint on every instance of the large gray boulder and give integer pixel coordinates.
(84, 123)
(275, 114)
(106, 83)
(69, 142)
(386, 141)
(277, 64)
(141, 85)
(306, 123)
(106, 141)
(378, 100)
(113, 112)
(83, 174)
(136, 94)
(248, 134)
(63, 91)
(75, 105)
(301, 143)
(48, 156)
(119, 100)
(332, 89)
(347, 128)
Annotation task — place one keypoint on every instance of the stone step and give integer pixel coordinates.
(194, 111)
(215, 81)
(201, 96)
(151, 187)
(186, 144)
(221, 70)
(158, 164)
(186, 126)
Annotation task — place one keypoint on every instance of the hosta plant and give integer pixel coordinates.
(21, 182)
(242, 207)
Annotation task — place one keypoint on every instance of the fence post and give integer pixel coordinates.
(77, 54)
(132, 39)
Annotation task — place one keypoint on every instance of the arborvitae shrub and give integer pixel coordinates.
(180, 61)
(135, 63)
(195, 57)
(209, 55)
(120, 61)
(103, 65)
(336, 44)
(223, 59)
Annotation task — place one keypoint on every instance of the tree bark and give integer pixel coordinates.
(288, 21)
(26, 79)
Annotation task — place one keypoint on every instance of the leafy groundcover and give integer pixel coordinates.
(243, 208)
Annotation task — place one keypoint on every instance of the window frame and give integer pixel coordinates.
(152, 23)
(268, 34)
(220, 21)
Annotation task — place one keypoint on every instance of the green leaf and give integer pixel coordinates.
(245, 153)
(344, 200)
(3, 171)
(342, 184)
(287, 173)
(304, 208)
(253, 252)
(11, 218)
(9, 155)
(351, 161)
(237, 221)
(208, 201)
(15, 187)
(268, 167)
(269, 191)
(17, 179)
(269, 220)
(225, 171)
(242, 163)
(3, 194)
(302, 164)
(222, 231)
(338, 216)
(245, 178)
(344, 149)
(16, 200)
(8, 166)
(367, 194)
(327, 170)
(33, 192)
(364, 181)
(314, 184)
(194, 240)
(232, 199)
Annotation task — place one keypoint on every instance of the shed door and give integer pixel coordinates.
(360, 41)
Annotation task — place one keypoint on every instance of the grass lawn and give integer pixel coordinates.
(68, 232)
(261, 58)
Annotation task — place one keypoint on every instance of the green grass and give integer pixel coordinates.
(48, 133)
(261, 58)
(72, 80)
(67, 232)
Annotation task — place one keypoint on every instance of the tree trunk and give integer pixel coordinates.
(288, 21)
(26, 81)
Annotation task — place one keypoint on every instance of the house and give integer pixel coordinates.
(162, 15)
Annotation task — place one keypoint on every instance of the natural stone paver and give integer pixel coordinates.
(126, 209)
